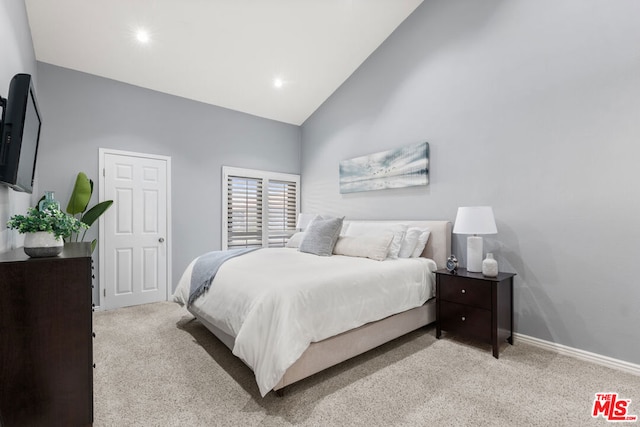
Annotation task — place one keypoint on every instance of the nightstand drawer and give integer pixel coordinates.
(463, 319)
(466, 291)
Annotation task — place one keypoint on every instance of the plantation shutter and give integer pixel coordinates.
(282, 206)
(244, 212)
(260, 208)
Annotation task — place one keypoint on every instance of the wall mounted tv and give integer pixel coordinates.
(20, 133)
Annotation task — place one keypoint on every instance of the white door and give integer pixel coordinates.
(134, 251)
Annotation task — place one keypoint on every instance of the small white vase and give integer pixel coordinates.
(490, 266)
(42, 244)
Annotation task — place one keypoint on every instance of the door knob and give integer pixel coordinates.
(161, 239)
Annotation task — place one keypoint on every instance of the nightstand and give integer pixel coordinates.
(474, 305)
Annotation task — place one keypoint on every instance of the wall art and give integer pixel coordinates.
(401, 167)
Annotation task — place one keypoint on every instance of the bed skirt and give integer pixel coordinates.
(331, 351)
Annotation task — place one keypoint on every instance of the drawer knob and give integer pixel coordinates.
(464, 292)
(464, 318)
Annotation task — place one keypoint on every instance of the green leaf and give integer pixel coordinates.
(94, 242)
(51, 220)
(81, 194)
(94, 213)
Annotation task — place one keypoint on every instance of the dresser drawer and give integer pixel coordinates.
(471, 292)
(464, 319)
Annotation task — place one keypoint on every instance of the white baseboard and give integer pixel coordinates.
(599, 359)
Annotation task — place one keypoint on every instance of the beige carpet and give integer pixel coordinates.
(157, 367)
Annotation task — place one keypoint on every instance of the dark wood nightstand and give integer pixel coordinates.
(474, 305)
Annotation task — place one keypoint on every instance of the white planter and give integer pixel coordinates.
(42, 244)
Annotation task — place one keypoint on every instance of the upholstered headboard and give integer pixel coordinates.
(439, 244)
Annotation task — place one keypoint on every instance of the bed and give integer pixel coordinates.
(289, 314)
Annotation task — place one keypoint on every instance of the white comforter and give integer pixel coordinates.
(277, 301)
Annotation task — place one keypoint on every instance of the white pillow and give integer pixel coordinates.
(374, 247)
(345, 226)
(380, 228)
(294, 241)
(409, 242)
(422, 242)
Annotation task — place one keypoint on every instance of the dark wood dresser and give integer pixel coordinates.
(46, 338)
(474, 305)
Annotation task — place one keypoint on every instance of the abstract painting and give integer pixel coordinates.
(401, 167)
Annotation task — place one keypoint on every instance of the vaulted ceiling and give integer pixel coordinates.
(278, 59)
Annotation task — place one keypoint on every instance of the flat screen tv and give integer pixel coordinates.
(20, 132)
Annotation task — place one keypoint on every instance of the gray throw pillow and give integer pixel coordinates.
(321, 236)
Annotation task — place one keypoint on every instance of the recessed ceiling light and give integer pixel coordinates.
(142, 36)
(277, 82)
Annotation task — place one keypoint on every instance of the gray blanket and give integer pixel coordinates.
(206, 267)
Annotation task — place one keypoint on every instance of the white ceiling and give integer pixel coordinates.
(221, 52)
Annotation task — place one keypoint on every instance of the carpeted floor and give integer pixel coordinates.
(155, 366)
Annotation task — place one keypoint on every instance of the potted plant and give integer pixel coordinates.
(45, 230)
(78, 204)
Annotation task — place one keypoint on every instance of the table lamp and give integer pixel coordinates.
(475, 220)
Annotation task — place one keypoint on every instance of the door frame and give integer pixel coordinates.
(102, 152)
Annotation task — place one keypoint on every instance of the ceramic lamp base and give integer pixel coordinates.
(474, 254)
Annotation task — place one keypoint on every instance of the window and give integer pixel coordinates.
(259, 208)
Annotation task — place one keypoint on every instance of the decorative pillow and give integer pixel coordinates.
(374, 247)
(378, 228)
(422, 242)
(294, 241)
(345, 226)
(321, 236)
(409, 242)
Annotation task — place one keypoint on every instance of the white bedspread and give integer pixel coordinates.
(277, 301)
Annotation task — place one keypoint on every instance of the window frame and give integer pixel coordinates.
(265, 176)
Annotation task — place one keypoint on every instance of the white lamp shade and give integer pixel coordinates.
(304, 220)
(475, 220)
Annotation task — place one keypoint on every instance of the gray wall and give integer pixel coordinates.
(16, 56)
(83, 112)
(530, 107)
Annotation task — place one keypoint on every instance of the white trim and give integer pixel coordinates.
(598, 359)
(101, 191)
(254, 173)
